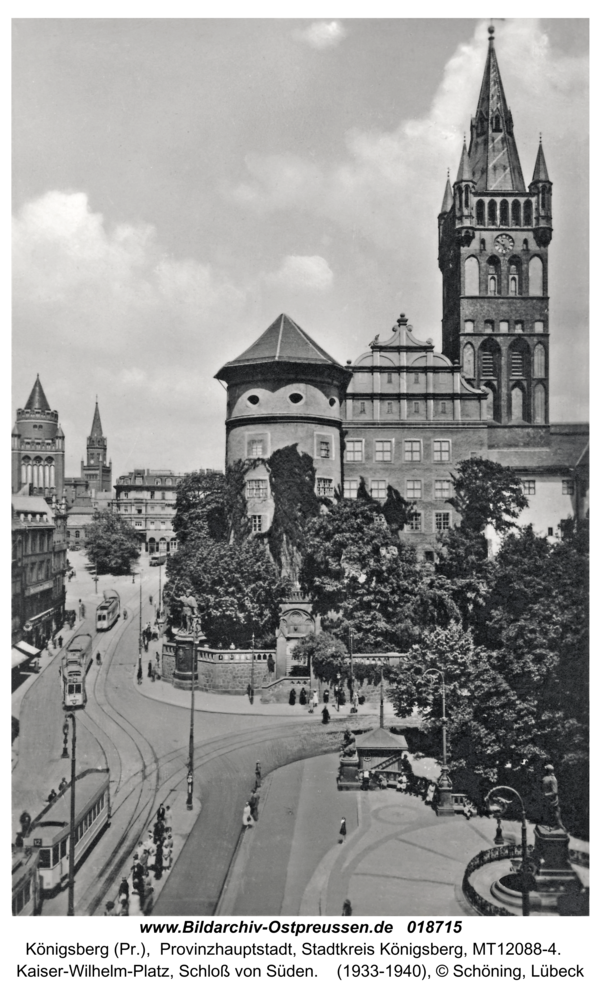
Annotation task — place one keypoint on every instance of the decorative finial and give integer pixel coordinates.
(491, 30)
(448, 173)
(540, 138)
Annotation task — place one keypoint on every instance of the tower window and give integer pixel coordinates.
(443, 406)
(504, 212)
(324, 449)
(256, 448)
(468, 326)
(482, 244)
(528, 213)
(496, 126)
(517, 364)
(516, 213)
(525, 245)
(539, 361)
(468, 361)
(253, 400)
(492, 213)
(295, 397)
(354, 451)
(466, 196)
(362, 407)
(256, 523)
(325, 488)
(535, 276)
(487, 365)
(504, 326)
(416, 406)
(389, 378)
(480, 213)
(492, 284)
(543, 198)
(416, 378)
(389, 407)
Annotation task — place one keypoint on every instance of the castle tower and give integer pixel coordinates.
(97, 471)
(494, 235)
(38, 447)
(284, 389)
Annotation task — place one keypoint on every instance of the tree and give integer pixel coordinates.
(111, 542)
(487, 493)
(328, 655)
(292, 481)
(200, 506)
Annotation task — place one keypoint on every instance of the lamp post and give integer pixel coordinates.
(140, 630)
(352, 678)
(252, 670)
(500, 809)
(381, 694)
(159, 608)
(71, 899)
(444, 806)
(338, 692)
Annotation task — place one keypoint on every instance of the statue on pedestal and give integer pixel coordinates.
(552, 814)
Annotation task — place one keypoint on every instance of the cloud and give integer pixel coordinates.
(300, 273)
(323, 34)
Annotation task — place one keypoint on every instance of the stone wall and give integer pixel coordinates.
(221, 671)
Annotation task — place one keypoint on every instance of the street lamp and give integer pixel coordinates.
(338, 692)
(499, 809)
(71, 900)
(444, 806)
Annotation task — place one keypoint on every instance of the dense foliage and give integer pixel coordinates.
(292, 481)
(111, 542)
(486, 493)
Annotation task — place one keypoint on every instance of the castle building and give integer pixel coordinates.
(38, 447)
(403, 414)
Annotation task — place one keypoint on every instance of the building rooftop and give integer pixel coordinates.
(283, 341)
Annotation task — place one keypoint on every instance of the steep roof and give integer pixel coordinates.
(540, 167)
(284, 340)
(447, 201)
(381, 739)
(96, 431)
(37, 397)
(464, 173)
(493, 153)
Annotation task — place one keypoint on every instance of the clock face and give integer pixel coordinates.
(504, 243)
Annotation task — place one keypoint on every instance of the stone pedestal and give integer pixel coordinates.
(185, 660)
(444, 805)
(555, 876)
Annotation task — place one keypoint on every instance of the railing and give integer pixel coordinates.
(480, 904)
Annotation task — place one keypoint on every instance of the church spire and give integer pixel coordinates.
(37, 397)
(96, 431)
(447, 201)
(493, 154)
(464, 173)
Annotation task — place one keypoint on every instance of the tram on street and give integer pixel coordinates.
(75, 664)
(50, 833)
(108, 610)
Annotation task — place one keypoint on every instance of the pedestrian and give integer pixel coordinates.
(123, 906)
(302, 697)
(325, 716)
(98, 659)
(347, 910)
(161, 813)
(150, 670)
(342, 831)
(19, 842)
(52, 795)
(168, 823)
(365, 780)
(315, 700)
(64, 783)
(247, 820)
(157, 658)
(60, 642)
(292, 697)
(124, 614)
(258, 774)
(148, 900)
(140, 673)
(355, 702)
(25, 821)
(159, 831)
(83, 611)
(150, 598)
(158, 862)
(326, 696)
(467, 809)
(124, 886)
(133, 578)
(254, 805)
(109, 909)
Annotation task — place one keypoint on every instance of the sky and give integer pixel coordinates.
(177, 184)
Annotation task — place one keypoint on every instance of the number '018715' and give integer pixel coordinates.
(434, 927)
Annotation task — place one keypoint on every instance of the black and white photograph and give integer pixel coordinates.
(300, 476)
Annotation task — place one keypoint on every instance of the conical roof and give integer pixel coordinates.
(96, 431)
(540, 167)
(493, 153)
(465, 172)
(381, 739)
(37, 397)
(283, 342)
(447, 201)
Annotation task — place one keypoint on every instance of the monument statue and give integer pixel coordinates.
(552, 815)
(190, 614)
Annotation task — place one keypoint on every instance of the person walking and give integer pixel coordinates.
(140, 673)
(347, 910)
(150, 670)
(98, 659)
(342, 831)
(161, 813)
(254, 806)
(150, 598)
(60, 642)
(315, 700)
(325, 716)
(247, 820)
(124, 886)
(258, 774)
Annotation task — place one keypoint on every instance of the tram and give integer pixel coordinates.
(75, 665)
(50, 833)
(108, 610)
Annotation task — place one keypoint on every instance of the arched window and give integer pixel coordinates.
(539, 404)
(77, 534)
(468, 361)
(496, 123)
(539, 362)
(528, 213)
(25, 471)
(489, 353)
(515, 276)
(504, 212)
(543, 198)
(492, 213)
(517, 404)
(525, 245)
(516, 213)
(535, 276)
(493, 276)
(480, 213)
(466, 196)
(472, 276)
(483, 244)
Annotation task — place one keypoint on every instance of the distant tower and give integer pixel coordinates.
(494, 235)
(38, 447)
(96, 471)
(284, 389)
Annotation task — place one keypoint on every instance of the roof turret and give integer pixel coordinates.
(540, 167)
(464, 173)
(447, 201)
(96, 431)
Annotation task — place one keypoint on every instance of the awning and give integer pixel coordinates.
(21, 652)
(26, 648)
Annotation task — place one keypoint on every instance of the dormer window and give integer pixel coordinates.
(496, 127)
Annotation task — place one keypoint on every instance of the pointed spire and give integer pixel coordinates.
(447, 201)
(96, 431)
(37, 397)
(493, 154)
(540, 167)
(464, 173)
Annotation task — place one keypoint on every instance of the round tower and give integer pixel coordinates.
(38, 447)
(283, 390)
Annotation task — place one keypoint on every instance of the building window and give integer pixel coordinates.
(441, 451)
(256, 523)
(389, 378)
(378, 489)
(354, 451)
(324, 449)
(415, 521)
(413, 451)
(350, 489)
(416, 406)
(138, 524)
(468, 359)
(539, 361)
(138, 510)
(504, 326)
(416, 378)
(256, 488)
(487, 366)
(442, 520)
(442, 489)
(125, 496)
(414, 489)
(361, 407)
(77, 534)
(529, 487)
(443, 406)
(516, 213)
(383, 451)
(567, 487)
(389, 407)
(256, 448)
(517, 364)
(539, 326)
(325, 487)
